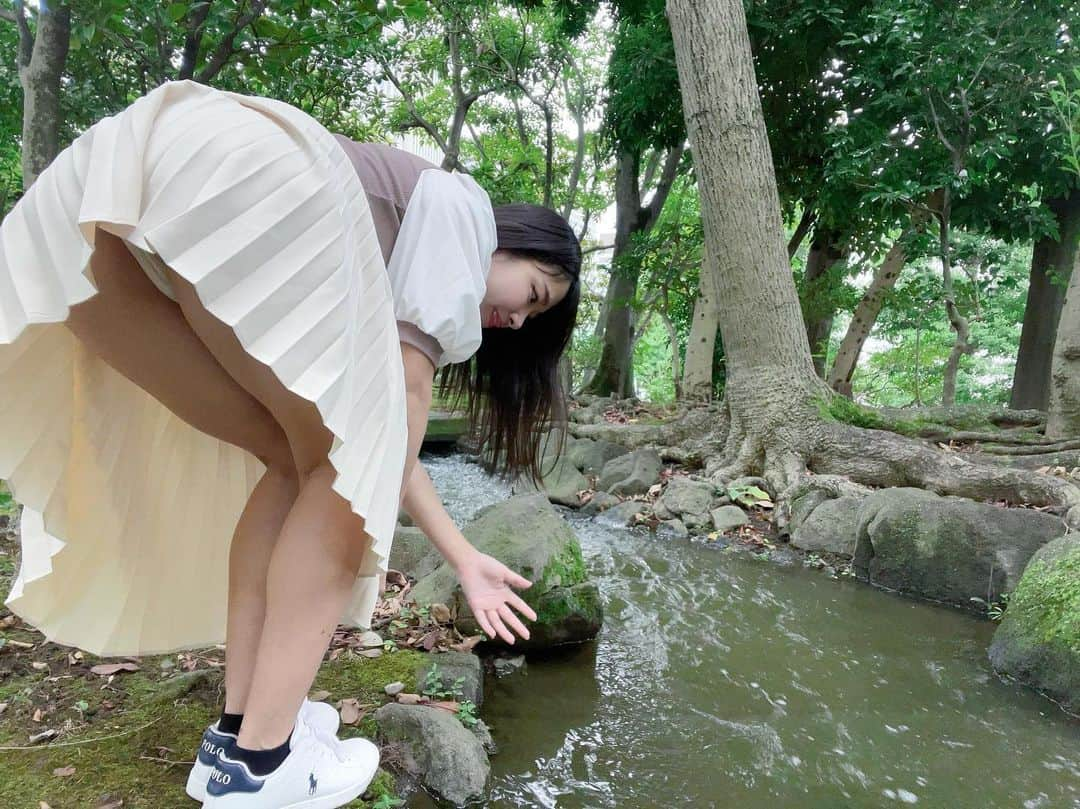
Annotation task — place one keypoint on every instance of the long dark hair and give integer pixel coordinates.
(512, 383)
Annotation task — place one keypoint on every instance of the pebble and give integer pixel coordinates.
(393, 689)
(370, 640)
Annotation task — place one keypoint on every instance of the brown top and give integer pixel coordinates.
(388, 176)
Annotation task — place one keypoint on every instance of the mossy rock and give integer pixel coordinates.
(529, 536)
(1038, 641)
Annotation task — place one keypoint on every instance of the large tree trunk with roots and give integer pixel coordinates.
(773, 423)
(1063, 415)
(1051, 266)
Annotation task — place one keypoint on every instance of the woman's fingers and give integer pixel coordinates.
(515, 624)
(519, 604)
(496, 621)
(484, 624)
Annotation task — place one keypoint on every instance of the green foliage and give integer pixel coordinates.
(434, 689)
(1064, 96)
(990, 290)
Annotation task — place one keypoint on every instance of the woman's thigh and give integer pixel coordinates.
(145, 336)
(309, 439)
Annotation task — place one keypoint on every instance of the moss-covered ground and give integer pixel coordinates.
(129, 739)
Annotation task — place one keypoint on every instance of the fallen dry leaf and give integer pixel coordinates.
(37, 664)
(451, 706)
(318, 696)
(37, 715)
(64, 772)
(106, 669)
(409, 699)
(467, 644)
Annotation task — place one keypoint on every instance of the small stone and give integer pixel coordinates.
(370, 640)
(393, 689)
(40, 737)
(505, 666)
(440, 613)
(167, 664)
(728, 518)
(370, 653)
(409, 699)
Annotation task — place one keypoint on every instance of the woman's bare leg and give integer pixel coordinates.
(249, 558)
(146, 337)
(312, 571)
(312, 566)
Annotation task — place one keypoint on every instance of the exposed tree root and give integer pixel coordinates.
(795, 449)
(1032, 449)
(962, 416)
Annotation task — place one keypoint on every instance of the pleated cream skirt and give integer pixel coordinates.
(129, 511)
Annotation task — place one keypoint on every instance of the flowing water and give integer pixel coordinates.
(720, 680)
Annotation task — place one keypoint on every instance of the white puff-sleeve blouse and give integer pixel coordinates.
(439, 265)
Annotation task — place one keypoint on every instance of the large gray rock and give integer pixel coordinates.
(590, 456)
(448, 667)
(947, 548)
(413, 553)
(685, 496)
(728, 518)
(529, 536)
(632, 473)
(601, 501)
(832, 526)
(561, 482)
(1038, 641)
(621, 514)
(433, 747)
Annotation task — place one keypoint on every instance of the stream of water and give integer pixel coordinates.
(720, 680)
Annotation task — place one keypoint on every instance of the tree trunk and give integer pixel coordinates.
(957, 321)
(817, 311)
(698, 370)
(1049, 258)
(862, 321)
(773, 422)
(615, 371)
(42, 57)
(1063, 415)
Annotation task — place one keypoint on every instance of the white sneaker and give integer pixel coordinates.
(317, 774)
(323, 719)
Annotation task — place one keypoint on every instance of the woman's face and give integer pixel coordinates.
(518, 288)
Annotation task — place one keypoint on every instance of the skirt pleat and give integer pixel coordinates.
(128, 511)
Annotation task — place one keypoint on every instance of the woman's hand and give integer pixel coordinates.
(486, 582)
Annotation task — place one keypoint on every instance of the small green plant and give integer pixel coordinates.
(467, 713)
(390, 645)
(433, 689)
(747, 495)
(387, 802)
(995, 610)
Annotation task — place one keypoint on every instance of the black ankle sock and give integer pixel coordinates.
(262, 762)
(230, 722)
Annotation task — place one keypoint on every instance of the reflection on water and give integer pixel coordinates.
(722, 681)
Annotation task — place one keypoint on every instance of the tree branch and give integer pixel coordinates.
(663, 188)
(220, 55)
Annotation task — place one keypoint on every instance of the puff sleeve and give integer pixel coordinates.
(439, 265)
